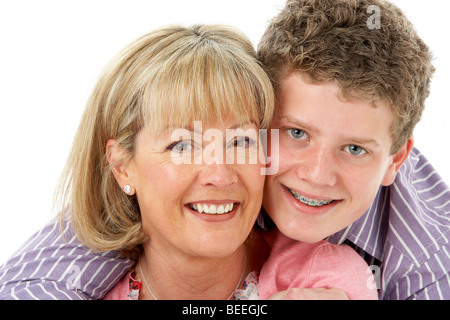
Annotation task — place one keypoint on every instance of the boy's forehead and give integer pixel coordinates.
(319, 107)
(299, 87)
(304, 83)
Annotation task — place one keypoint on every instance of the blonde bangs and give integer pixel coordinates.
(208, 83)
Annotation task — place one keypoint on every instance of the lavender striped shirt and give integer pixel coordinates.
(404, 236)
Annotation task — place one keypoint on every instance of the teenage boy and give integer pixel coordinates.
(349, 92)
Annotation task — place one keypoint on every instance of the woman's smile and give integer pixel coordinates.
(214, 210)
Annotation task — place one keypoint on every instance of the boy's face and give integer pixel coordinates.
(334, 155)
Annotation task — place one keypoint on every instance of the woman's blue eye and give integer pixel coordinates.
(180, 146)
(242, 142)
(183, 146)
(355, 150)
(297, 134)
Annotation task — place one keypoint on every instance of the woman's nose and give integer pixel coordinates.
(219, 175)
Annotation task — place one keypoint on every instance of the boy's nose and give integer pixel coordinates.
(318, 166)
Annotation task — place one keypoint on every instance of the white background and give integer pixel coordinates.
(51, 53)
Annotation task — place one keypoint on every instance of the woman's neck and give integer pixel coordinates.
(172, 275)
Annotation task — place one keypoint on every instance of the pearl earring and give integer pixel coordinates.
(127, 189)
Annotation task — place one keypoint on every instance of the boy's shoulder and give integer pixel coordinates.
(406, 233)
(419, 211)
(412, 215)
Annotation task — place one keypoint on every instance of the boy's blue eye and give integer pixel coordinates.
(355, 150)
(297, 134)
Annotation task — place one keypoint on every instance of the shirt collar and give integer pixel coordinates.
(370, 228)
(370, 231)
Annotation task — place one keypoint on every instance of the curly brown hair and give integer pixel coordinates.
(332, 40)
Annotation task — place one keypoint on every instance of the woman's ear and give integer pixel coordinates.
(115, 156)
(398, 159)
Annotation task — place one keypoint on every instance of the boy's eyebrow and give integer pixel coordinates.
(359, 141)
(299, 123)
(316, 131)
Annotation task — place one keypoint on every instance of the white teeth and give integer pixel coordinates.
(212, 208)
(309, 202)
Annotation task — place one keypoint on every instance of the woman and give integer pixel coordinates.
(185, 225)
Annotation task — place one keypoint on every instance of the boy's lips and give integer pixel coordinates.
(310, 203)
(311, 200)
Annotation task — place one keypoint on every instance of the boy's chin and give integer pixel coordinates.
(302, 233)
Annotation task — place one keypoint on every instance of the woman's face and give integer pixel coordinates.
(206, 205)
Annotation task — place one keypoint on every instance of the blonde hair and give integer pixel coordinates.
(330, 40)
(167, 78)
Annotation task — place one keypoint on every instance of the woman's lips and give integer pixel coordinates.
(214, 210)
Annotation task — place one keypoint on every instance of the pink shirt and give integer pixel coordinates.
(126, 289)
(294, 264)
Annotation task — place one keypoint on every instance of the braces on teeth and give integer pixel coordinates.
(309, 202)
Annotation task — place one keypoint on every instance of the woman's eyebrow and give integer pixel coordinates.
(240, 125)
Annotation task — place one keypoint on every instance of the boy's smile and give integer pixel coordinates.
(334, 155)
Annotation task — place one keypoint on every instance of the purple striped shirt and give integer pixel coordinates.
(53, 265)
(405, 234)
(404, 237)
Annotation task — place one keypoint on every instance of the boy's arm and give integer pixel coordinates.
(429, 281)
(54, 265)
(434, 291)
